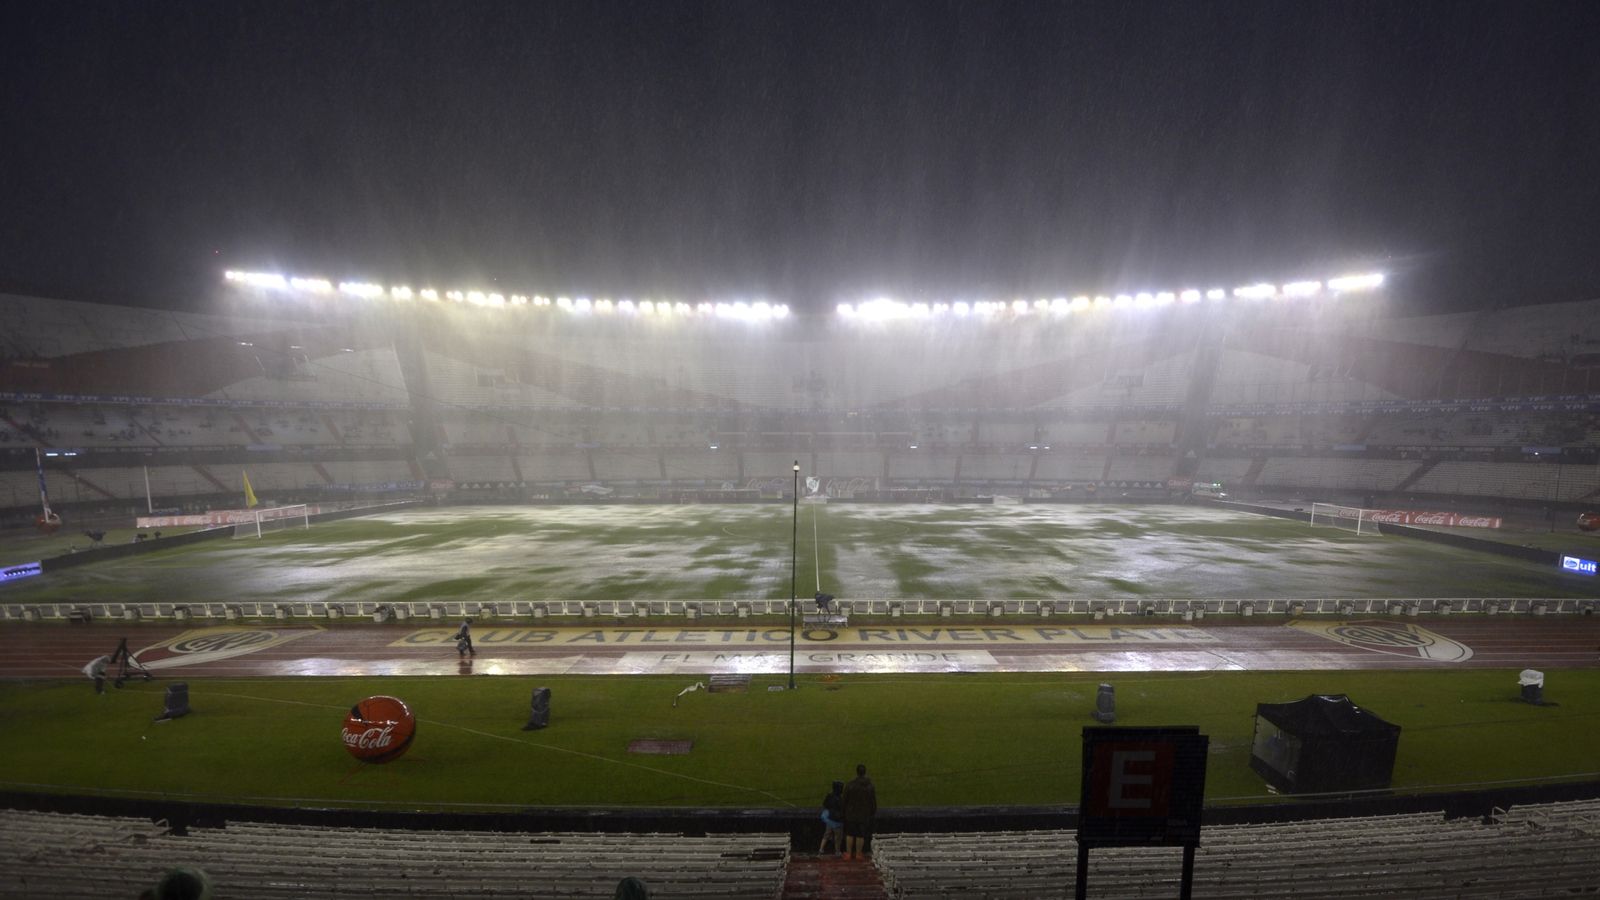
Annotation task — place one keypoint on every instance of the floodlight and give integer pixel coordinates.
(1019, 306)
(1164, 298)
(1190, 295)
(1080, 303)
(1216, 294)
(1102, 301)
(704, 308)
(602, 305)
(846, 310)
(960, 308)
(400, 292)
(681, 308)
(257, 279)
(564, 302)
(455, 296)
(311, 285)
(581, 304)
(646, 307)
(940, 309)
(1256, 291)
(1302, 288)
(496, 300)
(781, 310)
(1041, 303)
(430, 294)
(1059, 305)
(360, 289)
(1123, 300)
(920, 309)
(1143, 299)
(1367, 282)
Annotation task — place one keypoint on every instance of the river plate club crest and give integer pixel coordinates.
(205, 645)
(1393, 638)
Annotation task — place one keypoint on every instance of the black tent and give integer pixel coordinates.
(1323, 743)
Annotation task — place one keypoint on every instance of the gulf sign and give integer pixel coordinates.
(1420, 517)
(1580, 566)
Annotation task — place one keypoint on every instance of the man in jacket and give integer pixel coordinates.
(860, 805)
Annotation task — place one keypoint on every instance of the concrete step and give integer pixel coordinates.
(831, 878)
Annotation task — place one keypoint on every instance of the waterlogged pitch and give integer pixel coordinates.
(744, 552)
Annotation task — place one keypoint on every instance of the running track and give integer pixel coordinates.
(32, 651)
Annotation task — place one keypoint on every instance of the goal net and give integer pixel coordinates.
(276, 518)
(1350, 518)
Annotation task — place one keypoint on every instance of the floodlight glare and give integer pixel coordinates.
(1164, 298)
(1122, 300)
(1190, 295)
(1019, 306)
(430, 294)
(1216, 294)
(400, 292)
(1080, 303)
(360, 289)
(1260, 291)
(960, 308)
(311, 285)
(1143, 299)
(564, 302)
(1302, 288)
(1367, 282)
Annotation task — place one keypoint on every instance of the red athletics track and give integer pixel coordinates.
(31, 651)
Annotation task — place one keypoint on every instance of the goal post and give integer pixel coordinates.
(276, 518)
(1350, 518)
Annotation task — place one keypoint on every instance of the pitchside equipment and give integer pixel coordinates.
(276, 518)
(1350, 518)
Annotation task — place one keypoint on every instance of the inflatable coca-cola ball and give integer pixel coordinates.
(379, 729)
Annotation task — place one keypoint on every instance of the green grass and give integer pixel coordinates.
(962, 739)
(744, 552)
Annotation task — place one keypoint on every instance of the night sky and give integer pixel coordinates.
(803, 152)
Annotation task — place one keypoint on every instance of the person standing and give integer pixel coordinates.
(860, 806)
(463, 638)
(97, 671)
(833, 820)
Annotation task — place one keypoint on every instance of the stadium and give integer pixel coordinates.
(746, 548)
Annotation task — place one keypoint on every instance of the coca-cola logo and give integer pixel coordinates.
(1393, 518)
(1478, 522)
(1433, 518)
(370, 739)
(379, 729)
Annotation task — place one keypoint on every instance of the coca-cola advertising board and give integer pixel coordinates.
(1420, 517)
(379, 729)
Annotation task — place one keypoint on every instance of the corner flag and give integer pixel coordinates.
(249, 495)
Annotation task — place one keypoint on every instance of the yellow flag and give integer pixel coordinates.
(249, 495)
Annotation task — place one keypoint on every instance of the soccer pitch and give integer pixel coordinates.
(691, 552)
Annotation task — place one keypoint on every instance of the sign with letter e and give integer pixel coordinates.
(1142, 787)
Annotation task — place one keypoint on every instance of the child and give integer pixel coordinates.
(833, 820)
